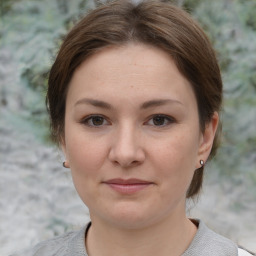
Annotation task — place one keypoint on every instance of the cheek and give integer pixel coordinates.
(86, 157)
(85, 153)
(175, 158)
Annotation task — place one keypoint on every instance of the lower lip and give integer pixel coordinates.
(128, 188)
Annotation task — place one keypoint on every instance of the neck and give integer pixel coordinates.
(170, 237)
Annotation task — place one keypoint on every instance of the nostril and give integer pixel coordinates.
(125, 161)
(135, 162)
(126, 151)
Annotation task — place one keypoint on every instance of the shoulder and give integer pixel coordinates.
(55, 246)
(207, 242)
(59, 246)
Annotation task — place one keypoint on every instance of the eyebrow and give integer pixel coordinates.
(145, 105)
(158, 102)
(96, 103)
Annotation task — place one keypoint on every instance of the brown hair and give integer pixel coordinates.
(157, 23)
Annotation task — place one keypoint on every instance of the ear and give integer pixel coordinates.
(64, 150)
(207, 138)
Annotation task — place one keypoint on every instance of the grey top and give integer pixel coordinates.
(206, 242)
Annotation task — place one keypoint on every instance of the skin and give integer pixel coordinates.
(126, 140)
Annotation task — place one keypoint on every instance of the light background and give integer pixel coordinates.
(37, 198)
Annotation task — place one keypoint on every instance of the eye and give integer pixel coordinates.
(95, 121)
(161, 120)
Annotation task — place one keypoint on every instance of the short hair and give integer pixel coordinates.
(160, 24)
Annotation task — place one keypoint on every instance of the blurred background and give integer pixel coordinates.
(37, 198)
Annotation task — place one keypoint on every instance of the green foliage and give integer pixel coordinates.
(190, 5)
(248, 17)
(5, 6)
(31, 33)
(231, 27)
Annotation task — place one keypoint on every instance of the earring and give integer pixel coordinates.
(202, 162)
(65, 165)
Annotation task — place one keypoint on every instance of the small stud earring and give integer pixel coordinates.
(64, 165)
(202, 162)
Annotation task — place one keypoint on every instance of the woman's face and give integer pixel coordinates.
(132, 136)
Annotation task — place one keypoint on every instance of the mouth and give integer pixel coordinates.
(127, 186)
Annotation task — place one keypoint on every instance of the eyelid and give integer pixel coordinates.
(167, 117)
(85, 120)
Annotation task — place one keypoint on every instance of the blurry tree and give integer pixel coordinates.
(5, 5)
(231, 27)
(33, 31)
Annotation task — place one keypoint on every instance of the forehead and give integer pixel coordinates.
(133, 70)
(130, 59)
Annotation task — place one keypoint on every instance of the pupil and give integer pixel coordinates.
(97, 120)
(158, 120)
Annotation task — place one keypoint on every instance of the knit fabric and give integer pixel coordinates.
(205, 243)
(69, 244)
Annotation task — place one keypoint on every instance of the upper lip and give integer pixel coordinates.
(127, 181)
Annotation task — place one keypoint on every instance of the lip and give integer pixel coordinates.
(127, 186)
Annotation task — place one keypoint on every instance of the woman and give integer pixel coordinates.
(134, 98)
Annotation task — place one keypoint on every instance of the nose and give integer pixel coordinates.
(126, 149)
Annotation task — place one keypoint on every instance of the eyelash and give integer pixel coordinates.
(86, 120)
(167, 119)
